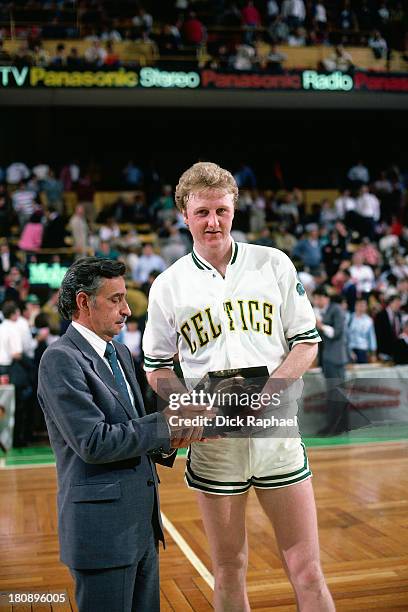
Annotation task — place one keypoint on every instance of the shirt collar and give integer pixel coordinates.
(203, 264)
(97, 343)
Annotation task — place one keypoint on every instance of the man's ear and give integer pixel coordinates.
(82, 299)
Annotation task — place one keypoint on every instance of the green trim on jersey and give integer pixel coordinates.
(234, 257)
(200, 264)
(311, 334)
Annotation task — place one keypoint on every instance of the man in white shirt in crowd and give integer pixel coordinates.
(368, 209)
(344, 204)
(361, 274)
(293, 12)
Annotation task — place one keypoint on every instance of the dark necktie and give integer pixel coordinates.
(110, 355)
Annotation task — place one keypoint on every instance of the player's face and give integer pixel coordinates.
(106, 314)
(209, 216)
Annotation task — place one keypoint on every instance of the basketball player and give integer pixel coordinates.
(228, 306)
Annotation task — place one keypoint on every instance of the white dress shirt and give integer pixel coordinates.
(99, 345)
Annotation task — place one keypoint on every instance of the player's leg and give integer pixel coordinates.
(224, 522)
(292, 511)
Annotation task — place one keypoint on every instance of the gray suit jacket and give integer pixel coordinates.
(334, 350)
(107, 483)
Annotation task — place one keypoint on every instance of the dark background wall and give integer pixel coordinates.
(315, 148)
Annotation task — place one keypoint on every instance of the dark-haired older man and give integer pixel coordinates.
(108, 505)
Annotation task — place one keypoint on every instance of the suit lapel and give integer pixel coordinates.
(99, 366)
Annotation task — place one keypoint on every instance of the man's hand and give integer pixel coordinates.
(186, 423)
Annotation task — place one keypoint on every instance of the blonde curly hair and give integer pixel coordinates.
(201, 177)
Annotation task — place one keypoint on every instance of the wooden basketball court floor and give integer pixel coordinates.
(362, 500)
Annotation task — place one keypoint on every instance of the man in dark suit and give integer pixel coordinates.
(388, 326)
(105, 444)
(330, 322)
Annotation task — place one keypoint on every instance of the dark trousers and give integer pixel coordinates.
(336, 402)
(132, 588)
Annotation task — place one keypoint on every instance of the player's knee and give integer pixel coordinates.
(228, 567)
(306, 575)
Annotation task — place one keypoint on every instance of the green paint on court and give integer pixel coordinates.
(43, 455)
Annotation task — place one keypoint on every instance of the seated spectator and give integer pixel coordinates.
(134, 177)
(132, 338)
(272, 10)
(59, 60)
(143, 20)
(279, 30)
(320, 16)
(106, 251)
(245, 176)
(111, 58)
(264, 238)
(297, 38)
(362, 275)
(7, 260)
(23, 56)
(244, 58)
(362, 341)
(74, 62)
(173, 246)
(344, 205)
(54, 230)
(95, 55)
(110, 230)
(16, 285)
(334, 252)
(163, 208)
(358, 175)
(328, 214)
(378, 45)
(148, 261)
(41, 57)
(110, 34)
(16, 173)
(370, 253)
(6, 212)
(168, 41)
(24, 204)
(284, 240)
(308, 248)
(275, 59)
(339, 60)
(31, 236)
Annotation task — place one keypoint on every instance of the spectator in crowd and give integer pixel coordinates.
(401, 346)
(279, 30)
(320, 16)
(388, 327)
(294, 12)
(333, 358)
(378, 45)
(368, 211)
(78, 227)
(132, 338)
(41, 172)
(173, 245)
(13, 364)
(251, 20)
(362, 342)
(358, 175)
(54, 230)
(245, 176)
(345, 206)
(148, 261)
(110, 230)
(95, 55)
(31, 308)
(362, 275)
(16, 285)
(308, 248)
(32, 234)
(244, 58)
(340, 59)
(7, 260)
(24, 204)
(70, 174)
(50, 309)
(297, 38)
(193, 30)
(134, 177)
(16, 173)
(272, 10)
(59, 60)
(53, 190)
(275, 60)
(74, 60)
(107, 251)
(143, 20)
(163, 208)
(347, 18)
